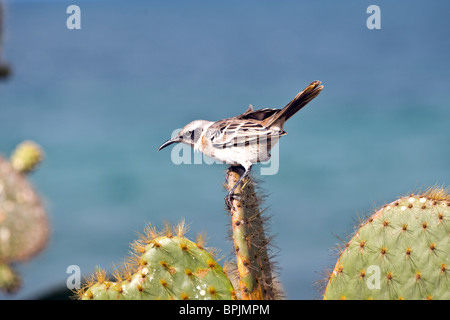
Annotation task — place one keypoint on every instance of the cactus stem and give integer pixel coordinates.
(250, 242)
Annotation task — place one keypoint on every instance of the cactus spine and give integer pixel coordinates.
(401, 252)
(255, 269)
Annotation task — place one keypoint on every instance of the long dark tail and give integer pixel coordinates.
(300, 100)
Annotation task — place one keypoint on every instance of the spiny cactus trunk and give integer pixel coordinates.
(250, 242)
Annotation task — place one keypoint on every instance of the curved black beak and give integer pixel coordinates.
(169, 142)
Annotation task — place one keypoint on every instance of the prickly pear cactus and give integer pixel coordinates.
(401, 252)
(164, 267)
(23, 220)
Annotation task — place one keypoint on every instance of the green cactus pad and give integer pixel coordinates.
(165, 268)
(9, 279)
(401, 252)
(24, 227)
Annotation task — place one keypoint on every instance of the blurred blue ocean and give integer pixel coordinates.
(101, 100)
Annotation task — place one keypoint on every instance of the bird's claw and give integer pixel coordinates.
(229, 200)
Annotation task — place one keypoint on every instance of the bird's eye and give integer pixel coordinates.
(188, 134)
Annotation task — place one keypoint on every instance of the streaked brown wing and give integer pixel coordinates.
(233, 132)
(260, 114)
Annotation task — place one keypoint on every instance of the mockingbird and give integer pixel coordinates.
(245, 139)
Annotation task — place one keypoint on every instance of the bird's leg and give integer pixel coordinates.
(230, 194)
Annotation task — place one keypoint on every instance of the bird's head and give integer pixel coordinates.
(190, 134)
